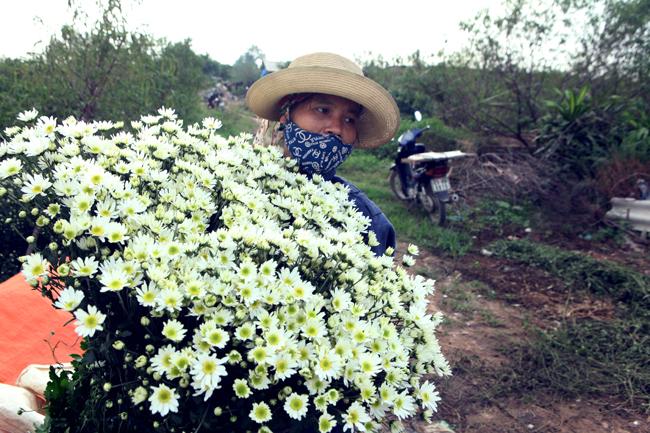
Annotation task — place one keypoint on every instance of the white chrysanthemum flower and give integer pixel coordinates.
(146, 294)
(36, 146)
(89, 322)
(407, 260)
(296, 405)
(284, 365)
(9, 167)
(355, 417)
(114, 280)
(10, 131)
(27, 116)
(163, 400)
(429, 396)
(35, 266)
(246, 331)
(174, 330)
(413, 250)
(116, 232)
(139, 395)
(211, 123)
(149, 120)
(69, 299)
(404, 405)
(369, 363)
(167, 113)
(326, 423)
(208, 369)
(217, 337)
(260, 413)
(241, 388)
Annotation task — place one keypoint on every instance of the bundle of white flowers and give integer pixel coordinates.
(214, 287)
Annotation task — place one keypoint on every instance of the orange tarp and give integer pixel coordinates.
(27, 320)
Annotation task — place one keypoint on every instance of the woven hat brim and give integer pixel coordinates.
(379, 119)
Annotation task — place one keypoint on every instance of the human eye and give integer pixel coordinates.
(322, 110)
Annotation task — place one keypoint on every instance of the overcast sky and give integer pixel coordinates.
(282, 29)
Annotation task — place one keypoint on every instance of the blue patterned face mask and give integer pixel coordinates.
(315, 153)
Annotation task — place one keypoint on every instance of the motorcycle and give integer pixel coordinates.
(422, 177)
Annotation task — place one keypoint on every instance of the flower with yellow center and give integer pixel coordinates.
(89, 322)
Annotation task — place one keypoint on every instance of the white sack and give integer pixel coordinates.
(12, 399)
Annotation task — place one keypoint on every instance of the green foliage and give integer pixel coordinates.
(235, 120)
(497, 213)
(578, 133)
(103, 71)
(213, 68)
(245, 71)
(586, 357)
(636, 144)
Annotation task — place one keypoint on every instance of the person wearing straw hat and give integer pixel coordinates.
(326, 107)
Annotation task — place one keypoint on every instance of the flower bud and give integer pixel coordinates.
(157, 376)
(128, 357)
(30, 239)
(150, 348)
(124, 416)
(109, 404)
(45, 280)
(63, 270)
(210, 300)
(184, 382)
(42, 221)
(233, 418)
(8, 221)
(107, 386)
(218, 411)
(3, 192)
(53, 246)
(145, 321)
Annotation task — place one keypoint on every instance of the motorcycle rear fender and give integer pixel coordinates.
(443, 196)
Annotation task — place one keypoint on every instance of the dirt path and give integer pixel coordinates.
(491, 305)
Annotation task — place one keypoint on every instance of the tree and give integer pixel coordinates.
(245, 71)
(103, 71)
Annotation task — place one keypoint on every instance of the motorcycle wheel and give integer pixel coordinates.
(434, 207)
(396, 185)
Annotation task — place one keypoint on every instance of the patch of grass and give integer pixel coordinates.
(370, 174)
(488, 318)
(235, 120)
(589, 356)
(497, 213)
(583, 273)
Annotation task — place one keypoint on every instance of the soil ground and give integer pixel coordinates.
(506, 299)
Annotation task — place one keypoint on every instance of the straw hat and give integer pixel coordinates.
(330, 74)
